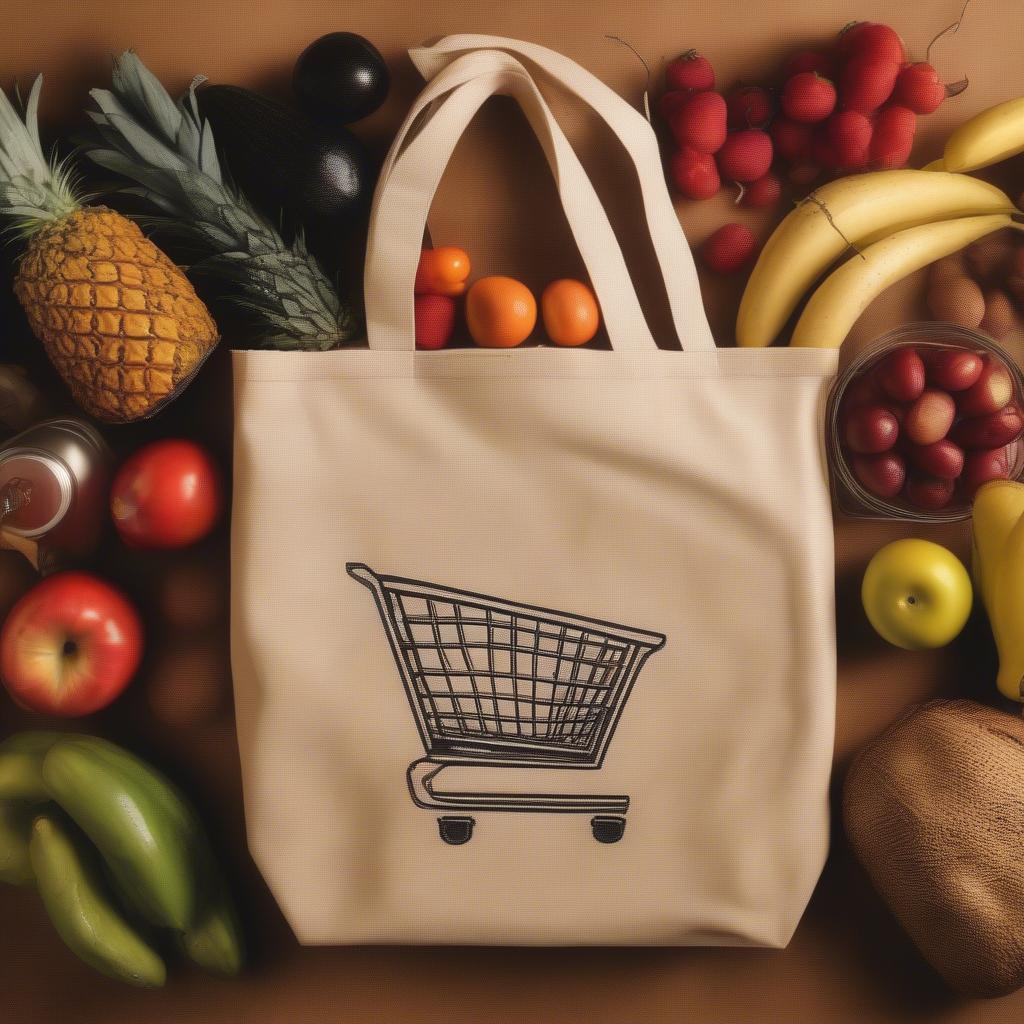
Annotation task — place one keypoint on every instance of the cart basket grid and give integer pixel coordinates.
(502, 679)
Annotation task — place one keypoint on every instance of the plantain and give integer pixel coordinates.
(72, 889)
(15, 829)
(214, 942)
(21, 763)
(149, 835)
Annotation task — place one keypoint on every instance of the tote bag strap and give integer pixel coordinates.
(641, 145)
(413, 171)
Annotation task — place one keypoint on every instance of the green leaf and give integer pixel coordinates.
(143, 92)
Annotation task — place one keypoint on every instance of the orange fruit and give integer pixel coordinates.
(442, 271)
(570, 312)
(500, 312)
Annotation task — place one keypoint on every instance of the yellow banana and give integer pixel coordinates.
(848, 291)
(987, 138)
(1008, 611)
(998, 506)
(862, 206)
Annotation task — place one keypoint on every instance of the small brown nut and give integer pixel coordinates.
(1000, 316)
(957, 300)
(991, 254)
(948, 267)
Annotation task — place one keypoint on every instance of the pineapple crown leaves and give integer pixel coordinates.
(33, 189)
(169, 151)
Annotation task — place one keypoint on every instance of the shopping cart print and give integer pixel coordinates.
(502, 684)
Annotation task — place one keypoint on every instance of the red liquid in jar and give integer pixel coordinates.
(42, 488)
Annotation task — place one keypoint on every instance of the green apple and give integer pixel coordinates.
(916, 594)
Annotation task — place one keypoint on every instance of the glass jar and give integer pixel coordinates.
(850, 495)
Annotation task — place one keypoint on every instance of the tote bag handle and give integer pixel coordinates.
(413, 171)
(641, 145)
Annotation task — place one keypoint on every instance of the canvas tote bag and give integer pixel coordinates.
(533, 646)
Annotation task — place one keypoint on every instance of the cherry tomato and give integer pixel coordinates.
(167, 495)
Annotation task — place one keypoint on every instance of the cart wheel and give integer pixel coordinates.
(607, 828)
(455, 829)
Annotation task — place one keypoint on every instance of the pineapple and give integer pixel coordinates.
(168, 150)
(119, 321)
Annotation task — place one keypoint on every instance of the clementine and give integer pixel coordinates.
(500, 312)
(570, 313)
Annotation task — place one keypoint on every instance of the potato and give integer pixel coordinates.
(957, 300)
(1000, 317)
(990, 255)
(948, 267)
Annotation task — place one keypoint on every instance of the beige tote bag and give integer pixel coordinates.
(533, 646)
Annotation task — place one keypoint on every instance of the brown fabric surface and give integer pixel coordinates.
(935, 813)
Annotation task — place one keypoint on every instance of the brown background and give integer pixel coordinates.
(849, 961)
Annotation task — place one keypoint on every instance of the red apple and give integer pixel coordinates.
(70, 645)
(166, 495)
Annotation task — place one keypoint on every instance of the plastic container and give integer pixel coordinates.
(850, 496)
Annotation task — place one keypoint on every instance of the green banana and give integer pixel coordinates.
(21, 762)
(15, 829)
(149, 835)
(214, 942)
(74, 896)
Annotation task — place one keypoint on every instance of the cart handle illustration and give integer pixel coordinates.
(497, 683)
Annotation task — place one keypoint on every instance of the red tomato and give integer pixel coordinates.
(166, 495)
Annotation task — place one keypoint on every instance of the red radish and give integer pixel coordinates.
(700, 122)
(745, 156)
(996, 430)
(991, 392)
(765, 191)
(880, 474)
(901, 374)
(435, 321)
(863, 390)
(729, 249)
(918, 88)
(893, 138)
(690, 72)
(864, 38)
(942, 459)
(980, 467)
(808, 98)
(865, 84)
(671, 101)
(954, 370)
(695, 174)
(929, 492)
(750, 106)
(929, 418)
(804, 173)
(808, 60)
(791, 139)
(850, 136)
(870, 429)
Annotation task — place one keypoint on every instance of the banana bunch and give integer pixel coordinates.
(898, 221)
(998, 567)
(117, 854)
